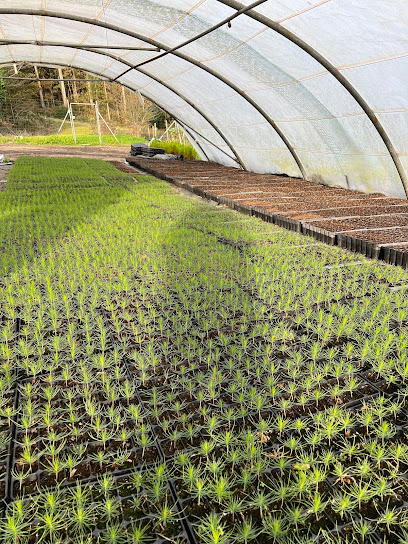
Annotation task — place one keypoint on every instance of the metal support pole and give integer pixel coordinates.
(98, 124)
(107, 126)
(336, 73)
(62, 124)
(167, 130)
(71, 118)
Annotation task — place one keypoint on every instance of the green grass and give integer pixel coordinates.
(175, 148)
(66, 139)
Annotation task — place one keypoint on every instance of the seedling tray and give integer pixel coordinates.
(201, 185)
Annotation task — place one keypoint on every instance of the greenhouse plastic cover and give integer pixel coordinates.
(309, 88)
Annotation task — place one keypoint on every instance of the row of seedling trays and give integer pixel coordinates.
(389, 254)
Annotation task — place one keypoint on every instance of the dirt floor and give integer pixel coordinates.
(106, 152)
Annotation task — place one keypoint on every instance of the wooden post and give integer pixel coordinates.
(63, 90)
(40, 89)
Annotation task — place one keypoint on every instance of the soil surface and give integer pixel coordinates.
(375, 218)
(106, 152)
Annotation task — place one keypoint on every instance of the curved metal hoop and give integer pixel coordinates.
(181, 123)
(187, 58)
(335, 73)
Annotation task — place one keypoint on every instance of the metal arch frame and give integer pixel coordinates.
(241, 11)
(181, 123)
(114, 28)
(157, 80)
(79, 46)
(277, 27)
(183, 97)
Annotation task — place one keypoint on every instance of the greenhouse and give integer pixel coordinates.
(204, 341)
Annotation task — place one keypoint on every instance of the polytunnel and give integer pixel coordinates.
(307, 89)
(204, 351)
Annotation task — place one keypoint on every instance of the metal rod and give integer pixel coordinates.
(108, 127)
(103, 24)
(79, 46)
(192, 137)
(72, 121)
(277, 27)
(241, 11)
(62, 124)
(98, 123)
(53, 79)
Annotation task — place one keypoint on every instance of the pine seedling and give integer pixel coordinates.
(363, 529)
(220, 489)
(261, 500)
(14, 528)
(282, 464)
(362, 492)
(165, 514)
(382, 487)
(50, 524)
(212, 530)
(20, 476)
(343, 504)
(234, 506)
(156, 490)
(140, 533)
(316, 505)
(296, 516)
(200, 489)
(275, 527)
(245, 531)
(389, 518)
(113, 534)
(109, 508)
(363, 468)
(106, 484)
(81, 518)
(282, 491)
(301, 483)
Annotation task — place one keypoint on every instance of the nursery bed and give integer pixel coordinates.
(296, 204)
(175, 372)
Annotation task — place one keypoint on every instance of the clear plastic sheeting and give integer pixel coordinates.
(308, 88)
